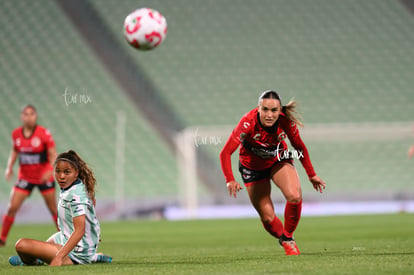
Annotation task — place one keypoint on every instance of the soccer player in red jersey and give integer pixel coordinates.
(264, 156)
(35, 148)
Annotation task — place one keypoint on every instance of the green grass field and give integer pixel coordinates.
(376, 244)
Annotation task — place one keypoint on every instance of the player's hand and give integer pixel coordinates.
(57, 261)
(8, 173)
(318, 183)
(46, 176)
(233, 187)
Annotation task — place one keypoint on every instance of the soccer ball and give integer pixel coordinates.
(145, 28)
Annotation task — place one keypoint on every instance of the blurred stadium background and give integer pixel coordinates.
(350, 64)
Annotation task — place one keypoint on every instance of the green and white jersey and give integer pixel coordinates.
(74, 201)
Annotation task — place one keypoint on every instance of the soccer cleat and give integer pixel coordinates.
(102, 258)
(289, 245)
(2, 243)
(15, 260)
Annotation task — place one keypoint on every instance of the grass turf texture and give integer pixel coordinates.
(377, 244)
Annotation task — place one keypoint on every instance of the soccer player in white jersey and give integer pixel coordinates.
(78, 238)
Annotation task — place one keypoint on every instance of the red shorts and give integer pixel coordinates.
(26, 187)
(251, 177)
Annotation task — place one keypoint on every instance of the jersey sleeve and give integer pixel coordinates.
(237, 136)
(78, 209)
(292, 132)
(78, 206)
(14, 138)
(225, 158)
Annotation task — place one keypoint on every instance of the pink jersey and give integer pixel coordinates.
(33, 153)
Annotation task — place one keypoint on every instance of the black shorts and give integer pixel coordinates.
(27, 187)
(251, 177)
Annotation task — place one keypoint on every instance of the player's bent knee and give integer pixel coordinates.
(20, 245)
(294, 198)
(267, 218)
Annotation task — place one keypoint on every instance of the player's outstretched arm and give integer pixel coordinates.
(51, 152)
(318, 183)
(225, 160)
(61, 257)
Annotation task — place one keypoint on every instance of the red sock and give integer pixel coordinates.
(275, 227)
(7, 222)
(54, 217)
(292, 216)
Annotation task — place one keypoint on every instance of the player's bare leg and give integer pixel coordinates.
(50, 200)
(16, 200)
(30, 251)
(259, 195)
(286, 178)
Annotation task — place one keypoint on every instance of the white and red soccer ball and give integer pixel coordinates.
(145, 28)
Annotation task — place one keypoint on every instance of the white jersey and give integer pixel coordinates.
(74, 201)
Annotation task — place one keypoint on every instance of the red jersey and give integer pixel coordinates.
(261, 147)
(33, 153)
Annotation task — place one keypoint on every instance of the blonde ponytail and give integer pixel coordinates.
(291, 113)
